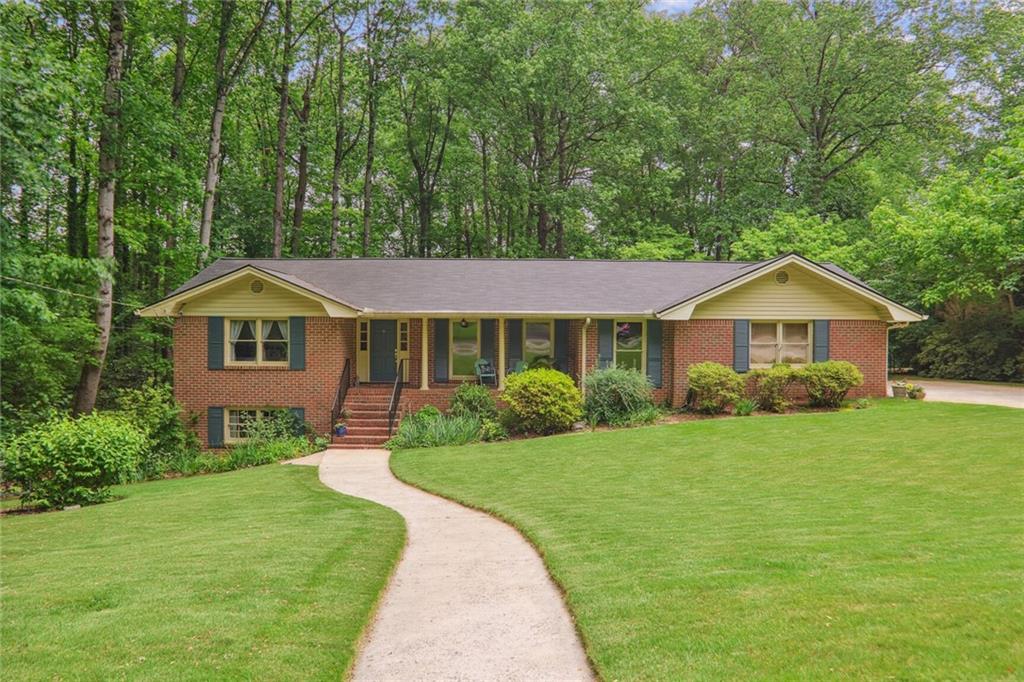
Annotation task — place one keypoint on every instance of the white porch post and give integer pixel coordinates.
(424, 354)
(501, 352)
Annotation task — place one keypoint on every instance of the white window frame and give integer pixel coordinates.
(779, 343)
(259, 361)
(551, 337)
(261, 413)
(451, 346)
(643, 342)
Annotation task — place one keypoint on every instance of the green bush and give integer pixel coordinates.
(744, 407)
(492, 430)
(428, 428)
(769, 386)
(473, 400)
(713, 387)
(542, 401)
(153, 410)
(828, 382)
(69, 461)
(618, 396)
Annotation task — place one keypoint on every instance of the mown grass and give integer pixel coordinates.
(878, 543)
(255, 574)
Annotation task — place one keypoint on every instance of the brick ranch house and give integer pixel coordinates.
(252, 335)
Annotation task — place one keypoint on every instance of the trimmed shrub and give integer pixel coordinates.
(828, 382)
(492, 430)
(618, 396)
(542, 401)
(473, 400)
(153, 410)
(769, 386)
(69, 461)
(714, 387)
(744, 407)
(428, 428)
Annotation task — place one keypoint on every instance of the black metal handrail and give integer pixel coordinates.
(339, 397)
(396, 394)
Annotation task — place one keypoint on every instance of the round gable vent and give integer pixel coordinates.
(781, 277)
(256, 286)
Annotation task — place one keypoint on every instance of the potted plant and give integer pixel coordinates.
(915, 391)
(340, 427)
(899, 389)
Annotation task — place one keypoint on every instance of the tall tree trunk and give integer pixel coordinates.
(371, 134)
(339, 145)
(303, 180)
(282, 128)
(89, 382)
(371, 131)
(224, 77)
(72, 205)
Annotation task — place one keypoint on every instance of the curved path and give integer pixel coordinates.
(470, 599)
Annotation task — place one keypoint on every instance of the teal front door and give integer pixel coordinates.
(383, 340)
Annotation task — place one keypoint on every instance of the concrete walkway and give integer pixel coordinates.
(968, 392)
(470, 599)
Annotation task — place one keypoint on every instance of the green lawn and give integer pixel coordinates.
(878, 543)
(256, 574)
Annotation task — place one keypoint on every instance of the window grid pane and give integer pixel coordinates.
(536, 340)
(465, 348)
(629, 346)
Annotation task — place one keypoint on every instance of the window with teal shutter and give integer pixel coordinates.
(215, 427)
(297, 332)
(654, 352)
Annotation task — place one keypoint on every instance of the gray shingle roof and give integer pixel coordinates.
(591, 287)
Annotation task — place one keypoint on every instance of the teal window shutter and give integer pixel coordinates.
(820, 340)
(488, 328)
(561, 345)
(515, 342)
(297, 343)
(299, 413)
(654, 352)
(741, 345)
(605, 343)
(441, 349)
(215, 343)
(215, 427)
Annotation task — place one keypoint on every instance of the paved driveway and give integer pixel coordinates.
(968, 392)
(470, 599)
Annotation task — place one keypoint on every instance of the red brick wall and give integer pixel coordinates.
(696, 341)
(328, 342)
(864, 343)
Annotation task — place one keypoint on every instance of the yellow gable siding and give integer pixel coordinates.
(804, 297)
(236, 298)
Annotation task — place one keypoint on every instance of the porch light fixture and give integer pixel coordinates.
(464, 323)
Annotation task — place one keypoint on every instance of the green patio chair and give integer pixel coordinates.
(485, 371)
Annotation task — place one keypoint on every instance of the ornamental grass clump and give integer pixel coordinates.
(428, 428)
(68, 461)
(713, 387)
(618, 397)
(541, 401)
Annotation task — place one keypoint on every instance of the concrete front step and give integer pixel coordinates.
(361, 441)
(353, 446)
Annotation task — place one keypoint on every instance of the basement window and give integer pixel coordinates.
(241, 420)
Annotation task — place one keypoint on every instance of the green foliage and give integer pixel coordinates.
(618, 396)
(861, 404)
(73, 461)
(153, 410)
(542, 401)
(428, 428)
(744, 407)
(985, 346)
(714, 387)
(828, 382)
(492, 430)
(473, 400)
(769, 386)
